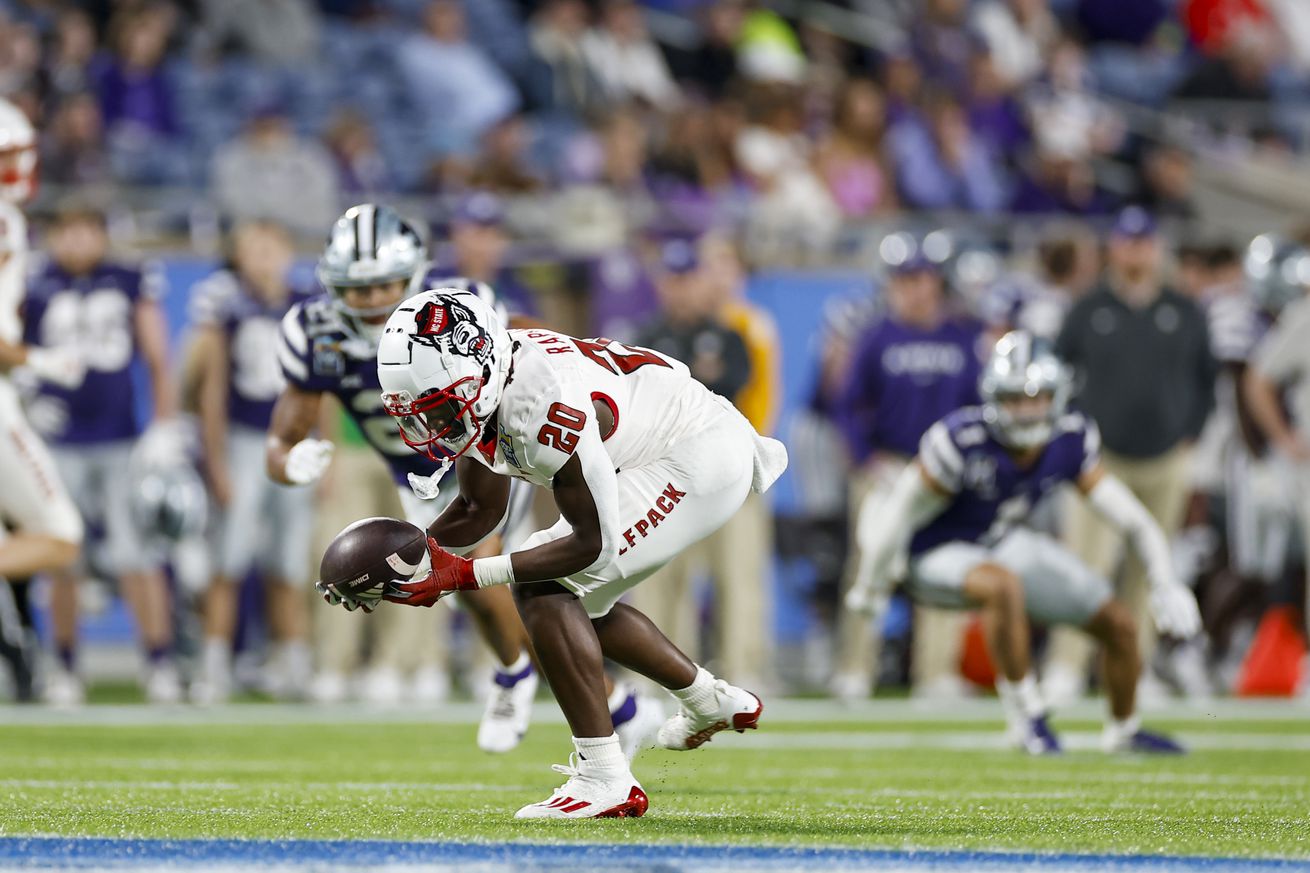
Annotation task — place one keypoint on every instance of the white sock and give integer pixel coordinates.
(518, 666)
(699, 695)
(296, 658)
(618, 696)
(216, 659)
(1022, 698)
(601, 756)
(1124, 727)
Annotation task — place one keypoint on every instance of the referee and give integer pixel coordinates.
(1142, 351)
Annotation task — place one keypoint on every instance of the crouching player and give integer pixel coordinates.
(958, 509)
(642, 461)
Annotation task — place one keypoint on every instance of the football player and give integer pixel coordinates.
(46, 530)
(952, 531)
(108, 313)
(235, 315)
(642, 461)
(373, 259)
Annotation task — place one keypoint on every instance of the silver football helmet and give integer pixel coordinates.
(169, 502)
(370, 244)
(1277, 271)
(1021, 372)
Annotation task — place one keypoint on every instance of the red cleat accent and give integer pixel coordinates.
(634, 807)
(748, 721)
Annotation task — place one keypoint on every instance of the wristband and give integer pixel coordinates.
(493, 571)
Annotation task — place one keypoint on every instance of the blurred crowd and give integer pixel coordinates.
(706, 109)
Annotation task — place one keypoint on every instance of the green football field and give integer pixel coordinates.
(886, 775)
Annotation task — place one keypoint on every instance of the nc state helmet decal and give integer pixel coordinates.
(446, 324)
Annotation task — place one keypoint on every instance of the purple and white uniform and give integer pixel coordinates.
(94, 313)
(992, 496)
(905, 378)
(92, 428)
(265, 526)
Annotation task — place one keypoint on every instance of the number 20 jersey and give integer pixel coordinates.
(553, 391)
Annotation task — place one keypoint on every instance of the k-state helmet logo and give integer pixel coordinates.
(445, 323)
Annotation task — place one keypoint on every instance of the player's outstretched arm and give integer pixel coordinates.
(1172, 604)
(884, 530)
(290, 456)
(476, 511)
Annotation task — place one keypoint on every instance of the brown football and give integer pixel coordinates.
(370, 553)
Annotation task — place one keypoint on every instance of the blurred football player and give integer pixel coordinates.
(373, 259)
(41, 528)
(235, 314)
(908, 369)
(109, 312)
(1281, 363)
(951, 531)
(642, 461)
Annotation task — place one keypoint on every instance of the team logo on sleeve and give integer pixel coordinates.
(447, 324)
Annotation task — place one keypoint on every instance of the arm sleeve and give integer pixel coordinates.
(293, 352)
(1112, 500)
(885, 527)
(941, 459)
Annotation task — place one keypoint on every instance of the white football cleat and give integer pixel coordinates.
(63, 690)
(585, 796)
(734, 708)
(429, 686)
(329, 686)
(162, 684)
(638, 731)
(382, 686)
(509, 710)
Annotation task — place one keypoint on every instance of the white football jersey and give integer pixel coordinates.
(13, 270)
(548, 409)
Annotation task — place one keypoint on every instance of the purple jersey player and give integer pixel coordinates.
(235, 315)
(959, 509)
(909, 368)
(108, 314)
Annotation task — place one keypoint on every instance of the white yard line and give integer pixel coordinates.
(1078, 796)
(780, 711)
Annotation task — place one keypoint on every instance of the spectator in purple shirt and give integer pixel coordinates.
(135, 97)
(994, 115)
(941, 164)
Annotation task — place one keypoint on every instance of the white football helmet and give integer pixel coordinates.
(17, 154)
(443, 362)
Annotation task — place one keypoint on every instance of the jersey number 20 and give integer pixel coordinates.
(565, 425)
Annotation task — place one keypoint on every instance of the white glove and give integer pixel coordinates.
(868, 600)
(59, 365)
(350, 604)
(165, 442)
(307, 461)
(1175, 612)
